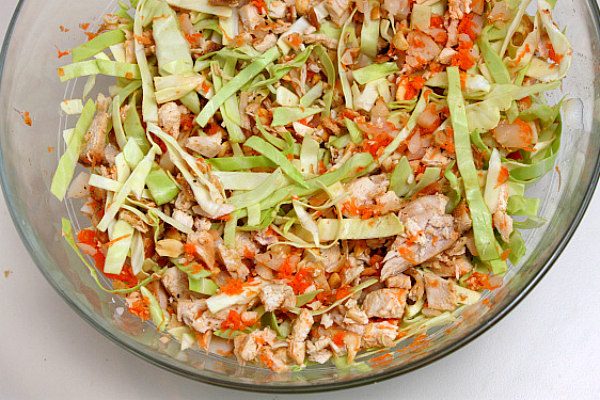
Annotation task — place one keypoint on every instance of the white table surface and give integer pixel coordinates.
(548, 347)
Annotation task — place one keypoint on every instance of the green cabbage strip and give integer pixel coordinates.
(485, 115)
(230, 230)
(275, 181)
(455, 193)
(174, 87)
(352, 291)
(280, 70)
(117, 102)
(149, 105)
(309, 156)
(307, 222)
(159, 316)
(137, 253)
(207, 195)
(286, 115)
(403, 134)
(431, 175)
(203, 6)
(133, 126)
(98, 67)
(341, 70)
(117, 252)
(67, 232)
(524, 206)
(230, 110)
(161, 186)
(482, 220)
(493, 61)
(373, 72)
(274, 140)
(202, 285)
(514, 25)
(517, 247)
(97, 44)
(134, 184)
(241, 180)
(329, 69)
(312, 95)
(354, 229)
(235, 84)
(66, 166)
(401, 177)
(240, 163)
(269, 151)
(133, 153)
(357, 165)
(369, 35)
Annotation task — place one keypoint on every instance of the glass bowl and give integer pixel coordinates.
(28, 156)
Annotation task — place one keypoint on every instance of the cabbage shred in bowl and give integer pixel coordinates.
(312, 187)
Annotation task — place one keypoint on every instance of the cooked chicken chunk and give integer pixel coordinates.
(275, 296)
(364, 190)
(300, 330)
(247, 346)
(385, 303)
(232, 261)
(422, 49)
(397, 8)
(95, 137)
(204, 243)
(169, 118)
(429, 231)
(176, 283)
(380, 334)
(250, 16)
(208, 146)
(440, 292)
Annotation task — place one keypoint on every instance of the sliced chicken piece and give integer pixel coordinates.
(462, 219)
(458, 8)
(354, 315)
(397, 8)
(266, 43)
(422, 49)
(277, 9)
(250, 17)
(270, 360)
(169, 118)
(133, 220)
(232, 261)
(441, 294)
(275, 296)
(245, 245)
(500, 219)
(353, 270)
(399, 281)
(429, 231)
(337, 9)
(317, 351)
(247, 346)
(385, 303)
(300, 330)
(380, 334)
(389, 202)
(95, 137)
(205, 246)
(176, 283)
(352, 341)
(331, 258)
(446, 55)
(208, 146)
(207, 322)
(319, 38)
(365, 190)
(188, 310)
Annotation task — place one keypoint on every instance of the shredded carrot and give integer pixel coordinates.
(143, 40)
(552, 55)
(50, 149)
(233, 286)
(260, 5)
(140, 309)
(382, 360)
(266, 360)
(193, 38)
(61, 53)
(301, 280)
(502, 176)
(479, 281)
(84, 26)
(233, 322)
(115, 240)
(338, 338)
(90, 35)
(189, 249)
(436, 21)
(87, 236)
(466, 26)
(63, 28)
(342, 292)
(505, 254)
(27, 118)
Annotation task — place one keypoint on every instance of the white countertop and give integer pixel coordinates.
(548, 347)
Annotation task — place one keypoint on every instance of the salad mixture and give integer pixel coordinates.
(302, 180)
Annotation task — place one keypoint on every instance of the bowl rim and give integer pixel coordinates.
(311, 388)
